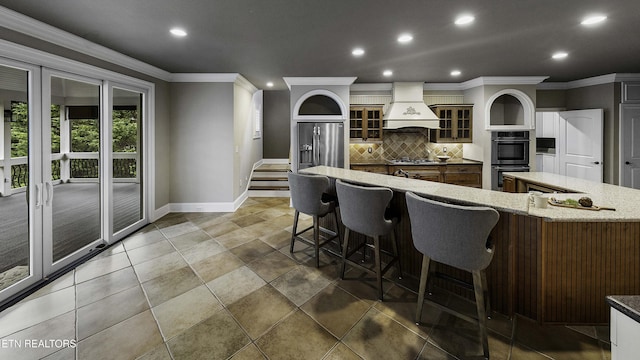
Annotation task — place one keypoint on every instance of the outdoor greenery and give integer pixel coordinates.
(85, 137)
(85, 134)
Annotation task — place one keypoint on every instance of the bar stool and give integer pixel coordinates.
(308, 197)
(364, 210)
(456, 236)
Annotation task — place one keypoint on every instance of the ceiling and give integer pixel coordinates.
(268, 40)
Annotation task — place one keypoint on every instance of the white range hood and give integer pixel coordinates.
(407, 108)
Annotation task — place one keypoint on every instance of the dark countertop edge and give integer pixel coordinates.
(626, 304)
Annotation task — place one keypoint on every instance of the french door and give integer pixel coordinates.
(72, 163)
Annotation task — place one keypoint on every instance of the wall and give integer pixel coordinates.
(201, 143)
(480, 149)
(551, 99)
(603, 96)
(606, 97)
(249, 150)
(276, 124)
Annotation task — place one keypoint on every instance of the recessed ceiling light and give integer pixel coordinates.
(456, 73)
(464, 19)
(270, 84)
(178, 32)
(387, 73)
(559, 55)
(593, 19)
(405, 38)
(357, 52)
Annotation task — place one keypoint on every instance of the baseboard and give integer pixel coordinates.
(158, 213)
(209, 207)
(202, 207)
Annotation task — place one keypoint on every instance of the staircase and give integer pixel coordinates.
(269, 180)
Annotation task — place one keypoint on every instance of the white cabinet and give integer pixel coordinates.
(547, 124)
(624, 336)
(547, 163)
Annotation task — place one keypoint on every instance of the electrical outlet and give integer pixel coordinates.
(370, 150)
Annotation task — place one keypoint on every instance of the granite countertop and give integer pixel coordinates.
(461, 194)
(625, 200)
(626, 304)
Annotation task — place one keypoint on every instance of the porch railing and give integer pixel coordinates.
(80, 166)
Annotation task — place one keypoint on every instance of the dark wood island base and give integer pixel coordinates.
(554, 272)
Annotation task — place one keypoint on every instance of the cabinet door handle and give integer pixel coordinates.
(597, 162)
(627, 163)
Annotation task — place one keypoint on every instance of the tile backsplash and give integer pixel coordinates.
(399, 144)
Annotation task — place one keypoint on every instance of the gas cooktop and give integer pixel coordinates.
(407, 161)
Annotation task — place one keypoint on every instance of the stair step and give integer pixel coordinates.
(269, 178)
(269, 187)
(272, 169)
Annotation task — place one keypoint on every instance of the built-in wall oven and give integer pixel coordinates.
(509, 153)
(510, 148)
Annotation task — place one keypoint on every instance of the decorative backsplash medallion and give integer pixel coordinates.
(399, 144)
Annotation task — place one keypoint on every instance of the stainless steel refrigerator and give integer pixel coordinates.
(320, 143)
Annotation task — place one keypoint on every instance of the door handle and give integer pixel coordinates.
(38, 195)
(49, 192)
(597, 162)
(627, 163)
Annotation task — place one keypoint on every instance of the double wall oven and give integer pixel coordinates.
(509, 153)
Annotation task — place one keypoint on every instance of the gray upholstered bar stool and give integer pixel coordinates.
(456, 236)
(365, 210)
(308, 197)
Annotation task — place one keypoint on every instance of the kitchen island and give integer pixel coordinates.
(553, 265)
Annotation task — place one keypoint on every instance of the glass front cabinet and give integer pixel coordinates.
(365, 123)
(456, 123)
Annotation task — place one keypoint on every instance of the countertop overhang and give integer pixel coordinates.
(625, 200)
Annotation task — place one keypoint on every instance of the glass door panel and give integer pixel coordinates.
(75, 197)
(126, 132)
(15, 246)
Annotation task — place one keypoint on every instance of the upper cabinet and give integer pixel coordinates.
(547, 124)
(365, 123)
(455, 124)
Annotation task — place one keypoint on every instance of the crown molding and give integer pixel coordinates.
(592, 81)
(214, 78)
(39, 30)
(245, 84)
(291, 81)
(502, 80)
(203, 77)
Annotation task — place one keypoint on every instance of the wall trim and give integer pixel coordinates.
(203, 207)
(327, 93)
(159, 213)
(214, 78)
(319, 81)
(37, 29)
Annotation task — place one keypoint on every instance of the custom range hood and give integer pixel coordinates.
(407, 108)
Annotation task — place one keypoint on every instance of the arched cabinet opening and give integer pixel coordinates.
(509, 110)
(319, 105)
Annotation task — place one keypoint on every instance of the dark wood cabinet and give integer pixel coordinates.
(456, 124)
(365, 123)
(508, 184)
(465, 175)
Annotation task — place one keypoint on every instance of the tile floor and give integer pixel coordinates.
(220, 286)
